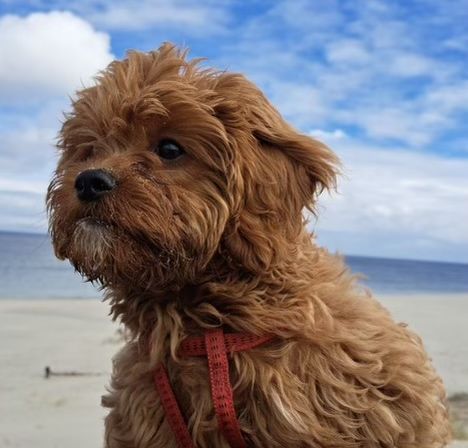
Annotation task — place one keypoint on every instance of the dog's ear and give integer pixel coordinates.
(282, 172)
(316, 165)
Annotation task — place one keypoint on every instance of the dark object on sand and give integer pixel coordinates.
(48, 373)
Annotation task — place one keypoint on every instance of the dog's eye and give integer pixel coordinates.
(169, 149)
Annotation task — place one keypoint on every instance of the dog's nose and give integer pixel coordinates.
(90, 185)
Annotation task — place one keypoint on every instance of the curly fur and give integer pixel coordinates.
(217, 238)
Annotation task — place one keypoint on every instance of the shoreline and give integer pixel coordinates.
(397, 295)
(77, 336)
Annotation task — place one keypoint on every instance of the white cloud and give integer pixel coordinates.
(349, 51)
(298, 102)
(27, 152)
(22, 211)
(27, 160)
(397, 203)
(304, 14)
(47, 54)
(449, 98)
(417, 122)
(410, 65)
(180, 16)
(43, 58)
(328, 136)
(394, 123)
(200, 17)
(23, 185)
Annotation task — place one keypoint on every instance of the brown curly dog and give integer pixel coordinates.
(180, 190)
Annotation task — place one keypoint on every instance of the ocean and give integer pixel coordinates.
(29, 270)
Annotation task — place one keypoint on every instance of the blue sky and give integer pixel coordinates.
(384, 83)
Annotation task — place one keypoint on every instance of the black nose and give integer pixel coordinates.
(90, 185)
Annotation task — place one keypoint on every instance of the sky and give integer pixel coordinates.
(383, 83)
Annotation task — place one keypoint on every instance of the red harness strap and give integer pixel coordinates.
(234, 342)
(221, 390)
(215, 345)
(171, 408)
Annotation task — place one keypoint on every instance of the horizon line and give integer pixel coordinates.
(378, 257)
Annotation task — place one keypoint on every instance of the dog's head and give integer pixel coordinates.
(165, 167)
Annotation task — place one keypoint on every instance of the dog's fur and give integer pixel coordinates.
(217, 238)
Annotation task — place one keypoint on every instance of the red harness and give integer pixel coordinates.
(215, 345)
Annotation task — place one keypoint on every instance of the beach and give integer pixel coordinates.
(77, 338)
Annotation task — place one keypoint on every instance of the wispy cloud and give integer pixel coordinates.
(380, 67)
(200, 18)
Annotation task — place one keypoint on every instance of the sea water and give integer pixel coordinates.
(29, 270)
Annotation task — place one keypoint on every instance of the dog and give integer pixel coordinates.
(180, 190)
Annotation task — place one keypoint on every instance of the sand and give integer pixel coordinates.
(66, 335)
(78, 336)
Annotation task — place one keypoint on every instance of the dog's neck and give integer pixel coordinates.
(264, 303)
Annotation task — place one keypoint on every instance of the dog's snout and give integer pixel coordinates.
(90, 185)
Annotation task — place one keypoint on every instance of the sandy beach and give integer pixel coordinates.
(77, 336)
